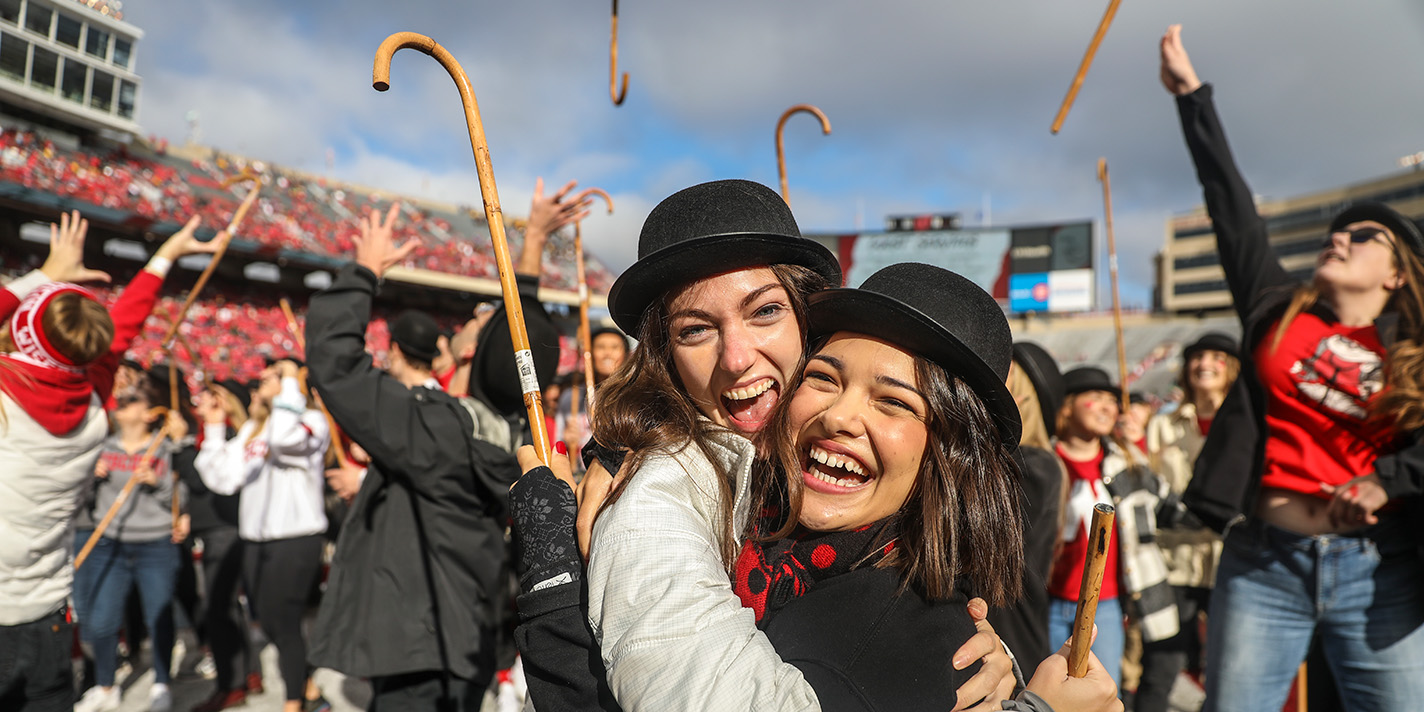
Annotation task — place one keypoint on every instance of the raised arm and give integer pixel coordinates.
(222, 464)
(1250, 264)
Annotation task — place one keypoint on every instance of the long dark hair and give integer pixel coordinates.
(963, 516)
(644, 407)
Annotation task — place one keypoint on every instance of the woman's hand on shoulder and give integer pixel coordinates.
(1178, 75)
(592, 491)
(995, 680)
(1093, 692)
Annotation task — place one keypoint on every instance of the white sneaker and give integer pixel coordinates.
(97, 699)
(159, 698)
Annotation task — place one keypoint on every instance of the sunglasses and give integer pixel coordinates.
(127, 400)
(1358, 236)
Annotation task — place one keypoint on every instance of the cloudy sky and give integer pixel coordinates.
(936, 106)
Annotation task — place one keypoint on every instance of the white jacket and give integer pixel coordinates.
(40, 478)
(673, 633)
(280, 472)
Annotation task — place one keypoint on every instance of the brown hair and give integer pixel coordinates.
(78, 327)
(644, 407)
(963, 516)
(1402, 400)
(1035, 431)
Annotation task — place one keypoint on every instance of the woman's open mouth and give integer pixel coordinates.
(749, 407)
(834, 473)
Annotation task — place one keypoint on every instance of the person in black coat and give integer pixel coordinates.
(413, 592)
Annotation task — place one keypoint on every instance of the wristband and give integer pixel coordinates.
(159, 265)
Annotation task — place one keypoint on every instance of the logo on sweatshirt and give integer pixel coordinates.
(1342, 375)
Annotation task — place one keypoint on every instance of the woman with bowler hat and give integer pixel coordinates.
(717, 303)
(1312, 469)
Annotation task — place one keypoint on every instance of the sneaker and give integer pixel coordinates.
(207, 668)
(97, 699)
(254, 683)
(221, 700)
(317, 705)
(160, 699)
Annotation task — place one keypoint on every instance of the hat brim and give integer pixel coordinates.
(1114, 390)
(1404, 229)
(1049, 401)
(654, 275)
(872, 314)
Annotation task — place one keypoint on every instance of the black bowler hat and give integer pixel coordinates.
(939, 315)
(274, 360)
(592, 337)
(1212, 341)
(706, 230)
(417, 335)
(1047, 380)
(1089, 378)
(1405, 230)
(238, 390)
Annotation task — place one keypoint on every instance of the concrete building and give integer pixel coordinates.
(1190, 275)
(69, 64)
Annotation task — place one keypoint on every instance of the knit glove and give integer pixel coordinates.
(544, 512)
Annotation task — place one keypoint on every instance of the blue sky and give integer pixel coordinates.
(934, 105)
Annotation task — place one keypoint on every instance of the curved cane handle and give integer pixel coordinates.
(781, 142)
(616, 93)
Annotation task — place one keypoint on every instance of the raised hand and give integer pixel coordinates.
(184, 242)
(549, 213)
(1178, 76)
(65, 262)
(375, 247)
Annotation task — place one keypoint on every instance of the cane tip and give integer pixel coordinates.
(381, 86)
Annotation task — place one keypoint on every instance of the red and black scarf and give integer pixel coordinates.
(769, 574)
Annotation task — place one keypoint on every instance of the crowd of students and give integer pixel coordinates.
(791, 495)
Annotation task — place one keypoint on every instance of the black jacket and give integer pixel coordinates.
(1023, 626)
(414, 580)
(1227, 476)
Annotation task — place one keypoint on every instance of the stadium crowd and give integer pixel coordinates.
(788, 495)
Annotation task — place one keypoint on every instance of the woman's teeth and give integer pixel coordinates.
(825, 462)
(751, 391)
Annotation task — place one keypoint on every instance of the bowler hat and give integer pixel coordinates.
(1405, 230)
(1212, 341)
(593, 336)
(239, 391)
(706, 230)
(1089, 378)
(937, 314)
(1047, 380)
(417, 335)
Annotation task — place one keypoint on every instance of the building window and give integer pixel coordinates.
(96, 43)
(1192, 261)
(1184, 288)
(37, 19)
(44, 69)
(128, 97)
(123, 52)
(67, 30)
(10, 11)
(101, 96)
(72, 80)
(14, 53)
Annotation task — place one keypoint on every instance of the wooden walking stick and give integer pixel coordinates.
(1083, 67)
(781, 143)
(119, 500)
(519, 335)
(232, 225)
(1112, 278)
(585, 333)
(173, 407)
(614, 92)
(335, 429)
(1093, 565)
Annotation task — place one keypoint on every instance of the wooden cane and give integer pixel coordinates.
(336, 442)
(514, 311)
(614, 92)
(218, 255)
(173, 407)
(573, 418)
(1302, 700)
(118, 501)
(1083, 67)
(781, 142)
(1093, 566)
(585, 333)
(1112, 278)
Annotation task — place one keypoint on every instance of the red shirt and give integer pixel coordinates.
(1067, 578)
(1319, 383)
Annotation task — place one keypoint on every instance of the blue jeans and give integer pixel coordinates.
(84, 578)
(1363, 593)
(118, 565)
(1111, 638)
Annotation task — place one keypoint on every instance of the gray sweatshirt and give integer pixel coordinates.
(147, 515)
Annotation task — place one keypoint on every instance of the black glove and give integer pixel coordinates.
(544, 513)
